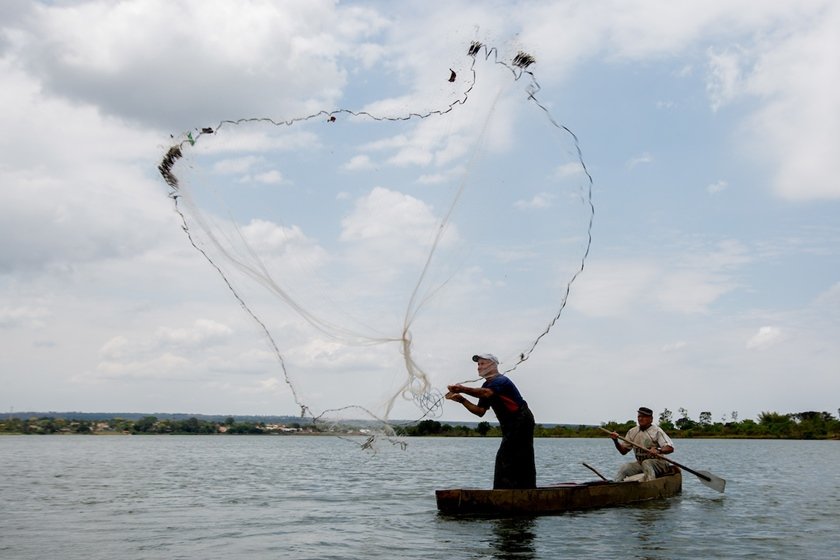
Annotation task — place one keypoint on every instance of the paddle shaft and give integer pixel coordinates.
(595, 471)
(695, 473)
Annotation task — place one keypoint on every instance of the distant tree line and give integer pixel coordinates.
(145, 425)
(799, 425)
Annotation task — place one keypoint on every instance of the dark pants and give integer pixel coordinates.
(515, 459)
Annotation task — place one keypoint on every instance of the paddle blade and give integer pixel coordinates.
(713, 482)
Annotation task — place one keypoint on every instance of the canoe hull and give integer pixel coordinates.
(556, 499)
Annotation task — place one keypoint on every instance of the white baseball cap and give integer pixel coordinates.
(490, 357)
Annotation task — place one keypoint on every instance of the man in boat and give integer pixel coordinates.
(650, 437)
(515, 459)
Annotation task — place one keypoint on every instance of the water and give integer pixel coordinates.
(207, 497)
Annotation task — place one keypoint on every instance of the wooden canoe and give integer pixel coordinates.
(557, 498)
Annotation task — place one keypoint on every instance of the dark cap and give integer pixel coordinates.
(645, 411)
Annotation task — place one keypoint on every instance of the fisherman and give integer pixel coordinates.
(515, 466)
(650, 437)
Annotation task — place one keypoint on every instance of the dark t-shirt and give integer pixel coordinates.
(506, 401)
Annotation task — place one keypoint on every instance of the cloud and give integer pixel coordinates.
(433, 179)
(249, 137)
(205, 64)
(202, 332)
(392, 226)
(791, 97)
(272, 177)
(166, 339)
(236, 165)
(725, 77)
(830, 297)
(384, 239)
(359, 163)
(614, 288)
(539, 201)
(717, 187)
(69, 192)
(170, 352)
(674, 346)
(691, 291)
(639, 160)
(688, 282)
(164, 366)
(484, 125)
(15, 317)
(766, 337)
(570, 169)
(268, 240)
(756, 58)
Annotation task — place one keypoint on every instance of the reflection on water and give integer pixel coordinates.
(650, 527)
(513, 538)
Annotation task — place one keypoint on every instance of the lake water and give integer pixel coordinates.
(264, 497)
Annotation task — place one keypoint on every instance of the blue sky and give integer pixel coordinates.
(709, 130)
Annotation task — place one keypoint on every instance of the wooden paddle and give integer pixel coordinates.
(707, 478)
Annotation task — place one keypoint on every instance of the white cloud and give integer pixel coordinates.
(359, 163)
(717, 187)
(756, 57)
(206, 62)
(203, 331)
(114, 348)
(792, 97)
(689, 282)
(168, 353)
(272, 177)
(725, 79)
(639, 160)
(269, 240)
(614, 288)
(433, 179)
(690, 291)
(261, 136)
(539, 201)
(392, 223)
(830, 298)
(69, 192)
(164, 366)
(165, 340)
(766, 337)
(236, 165)
(570, 169)
(720, 256)
(674, 346)
(411, 155)
(14, 317)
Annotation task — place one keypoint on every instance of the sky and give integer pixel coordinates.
(709, 131)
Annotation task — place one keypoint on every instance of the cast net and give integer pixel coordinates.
(376, 248)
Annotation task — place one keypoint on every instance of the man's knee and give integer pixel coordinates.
(628, 469)
(651, 469)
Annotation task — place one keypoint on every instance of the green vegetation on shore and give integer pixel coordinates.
(770, 425)
(800, 425)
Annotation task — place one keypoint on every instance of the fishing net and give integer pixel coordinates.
(376, 248)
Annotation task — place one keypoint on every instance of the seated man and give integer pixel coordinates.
(650, 437)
